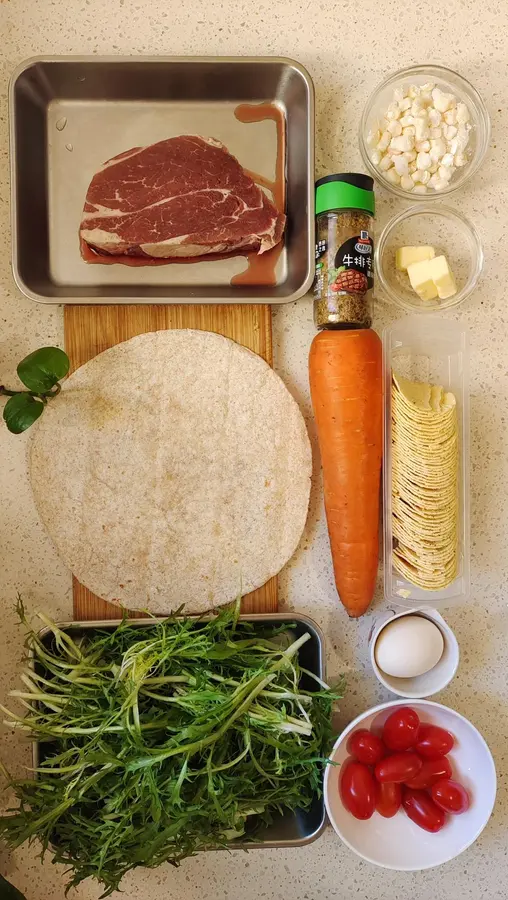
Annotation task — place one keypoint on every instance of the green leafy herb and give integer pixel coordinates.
(161, 741)
(42, 369)
(21, 411)
(40, 372)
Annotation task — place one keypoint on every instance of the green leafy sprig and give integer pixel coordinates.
(40, 372)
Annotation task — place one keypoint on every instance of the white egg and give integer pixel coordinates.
(408, 647)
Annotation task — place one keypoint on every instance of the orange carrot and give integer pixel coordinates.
(345, 370)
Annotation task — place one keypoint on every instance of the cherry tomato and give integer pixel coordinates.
(433, 742)
(422, 810)
(388, 798)
(432, 770)
(398, 767)
(450, 796)
(357, 789)
(366, 747)
(400, 730)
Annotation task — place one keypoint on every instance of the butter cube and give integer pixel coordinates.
(406, 256)
(442, 277)
(421, 278)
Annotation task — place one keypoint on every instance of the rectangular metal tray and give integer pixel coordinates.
(70, 114)
(293, 829)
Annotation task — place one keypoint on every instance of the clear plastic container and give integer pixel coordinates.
(436, 350)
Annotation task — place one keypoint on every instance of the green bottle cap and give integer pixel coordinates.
(349, 191)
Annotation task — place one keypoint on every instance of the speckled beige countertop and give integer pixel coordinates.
(347, 47)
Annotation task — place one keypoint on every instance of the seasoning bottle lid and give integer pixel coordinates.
(348, 191)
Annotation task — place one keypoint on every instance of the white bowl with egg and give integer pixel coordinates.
(404, 86)
(398, 843)
(414, 653)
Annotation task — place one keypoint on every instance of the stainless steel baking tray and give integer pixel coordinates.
(70, 114)
(293, 829)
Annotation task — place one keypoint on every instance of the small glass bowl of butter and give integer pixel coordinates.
(428, 258)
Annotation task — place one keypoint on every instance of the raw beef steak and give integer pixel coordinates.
(182, 197)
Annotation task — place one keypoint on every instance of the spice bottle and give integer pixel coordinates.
(344, 251)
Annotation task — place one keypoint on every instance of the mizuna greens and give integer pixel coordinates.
(161, 741)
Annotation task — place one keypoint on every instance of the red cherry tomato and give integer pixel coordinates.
(400, 730)
(450, 796)
(432, 770)
(398, 767)
(433, 742)
(366, 747)
(388, 798)
(422, 810)
(357, 789)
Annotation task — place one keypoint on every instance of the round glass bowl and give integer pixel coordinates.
(451, 235)
(449, 82)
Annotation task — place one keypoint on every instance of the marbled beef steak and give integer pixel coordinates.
(182, 197)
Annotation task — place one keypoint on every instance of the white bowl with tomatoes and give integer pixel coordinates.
(412, 785)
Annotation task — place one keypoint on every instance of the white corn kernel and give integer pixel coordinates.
(392, 176)
(437, 149)
(420, 189)
(450, 132)
(376, 157)
(401, 165)
(395, 127)
(462, 113)
(426, 98)
(406, 120)
(417, 107)
(437, 183)
(434, 167)
(410, 155)
(460, 160)
(423, 160)
(413, 91)
(436, 133)
(422, 146)
(463, 135)
(402, 143)
(421, 176)
(393, 111)
(410, 132)
(405, 104)
(442, 101)
(444, 173)
(450, 117)
(421, 129)
(406, 183)
(434, 117)
(384, 141)
(412, 167)
(428, 87)
(398, 95)
(385, 164)
(447, 160)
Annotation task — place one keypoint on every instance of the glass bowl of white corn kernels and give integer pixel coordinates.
(424, 132)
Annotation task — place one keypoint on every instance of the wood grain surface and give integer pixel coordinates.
(91, 329)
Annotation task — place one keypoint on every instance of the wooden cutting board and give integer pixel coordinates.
(91, 329)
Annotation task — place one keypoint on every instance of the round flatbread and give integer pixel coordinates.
(173, 469)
